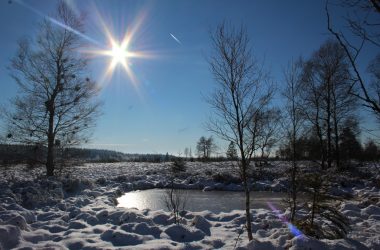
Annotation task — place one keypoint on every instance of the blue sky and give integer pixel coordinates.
(166, 112)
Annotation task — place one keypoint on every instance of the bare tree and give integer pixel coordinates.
(374, 84)
(294, 125)
(326, 84)
(56, 104)
(231, 153)
(191, 154)
(364, 26)
(205, 147)
(201, 147)
(175, 199)
(269, 131)
(211, 147)
(186, 152)
(242, 92)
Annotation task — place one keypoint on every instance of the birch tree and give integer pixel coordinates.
(56, 104)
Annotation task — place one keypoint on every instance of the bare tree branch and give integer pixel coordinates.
(56, 104)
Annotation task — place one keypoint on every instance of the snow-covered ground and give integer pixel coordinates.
(78, 211)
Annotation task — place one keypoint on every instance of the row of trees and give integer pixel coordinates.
(350, 149)
(318, 103)
(308, 148)
(320, 113)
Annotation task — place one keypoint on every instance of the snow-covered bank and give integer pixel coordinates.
(80, 213)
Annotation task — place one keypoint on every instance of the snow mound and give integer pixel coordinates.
(259, 245)
(121, 238)
(182, 233)
(202, 224)
(10, 236)
(371, 210)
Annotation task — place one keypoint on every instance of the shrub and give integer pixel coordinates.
(323, 219)
(178, 165)
(225, 178)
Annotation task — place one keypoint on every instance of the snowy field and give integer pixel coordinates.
(78, 210)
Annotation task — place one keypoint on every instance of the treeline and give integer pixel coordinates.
(35, 154)
(320, 114)
(350, 149)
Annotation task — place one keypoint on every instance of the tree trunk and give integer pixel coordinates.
(322, 146)
(337, 136)
(337, 148)
(247, 202)
(293, 192)
(329, 148)
(50, 149)
(294, 168)
(313, 208)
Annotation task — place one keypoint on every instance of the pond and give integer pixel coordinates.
(197, 200)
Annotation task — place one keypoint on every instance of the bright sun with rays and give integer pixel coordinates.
(119, 53)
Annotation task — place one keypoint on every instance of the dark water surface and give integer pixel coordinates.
(197, 200)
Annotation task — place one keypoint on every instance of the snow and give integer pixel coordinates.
(78, 211)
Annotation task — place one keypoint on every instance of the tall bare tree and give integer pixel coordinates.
(294, 128)
(56, 105)
(243, 91)
(326, 84)
(362, 21)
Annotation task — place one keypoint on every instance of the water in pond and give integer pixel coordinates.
(197, 200)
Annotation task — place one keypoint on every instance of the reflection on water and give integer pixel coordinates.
(197, 200)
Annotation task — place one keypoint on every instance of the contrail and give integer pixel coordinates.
(58, 23)
(176, 39)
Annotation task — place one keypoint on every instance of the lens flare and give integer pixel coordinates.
(58, 23)
(119, 51)
(292, 228)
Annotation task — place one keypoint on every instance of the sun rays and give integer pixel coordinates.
(120, 53)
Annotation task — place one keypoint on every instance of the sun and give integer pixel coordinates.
(119, 53)
(122, 52)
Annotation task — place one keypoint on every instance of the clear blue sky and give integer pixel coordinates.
(167, 111)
